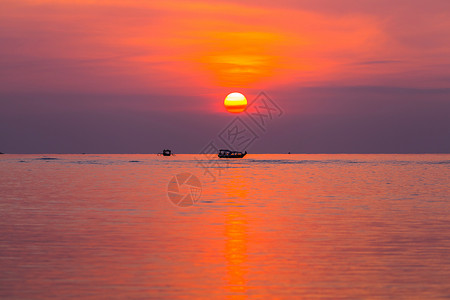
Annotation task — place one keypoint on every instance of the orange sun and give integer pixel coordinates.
(235, 103)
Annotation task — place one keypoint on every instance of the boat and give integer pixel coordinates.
(166, 152)
(223, 153)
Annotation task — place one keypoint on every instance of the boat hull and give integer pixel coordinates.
(232, 156)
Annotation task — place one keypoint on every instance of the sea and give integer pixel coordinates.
(267, 226)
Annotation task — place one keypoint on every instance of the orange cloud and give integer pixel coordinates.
(144, 46)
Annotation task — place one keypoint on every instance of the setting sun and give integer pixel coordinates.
(235, 103)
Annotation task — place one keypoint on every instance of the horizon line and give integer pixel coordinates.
(308, 153)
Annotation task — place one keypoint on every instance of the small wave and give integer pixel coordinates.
(87, 162)
(443, 162)
(295, 162)
(47, 158)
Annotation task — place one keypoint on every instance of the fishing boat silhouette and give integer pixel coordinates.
(224, 153)
(166, 152)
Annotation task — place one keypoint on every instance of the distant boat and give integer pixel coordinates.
(231, 154)
(166, 152)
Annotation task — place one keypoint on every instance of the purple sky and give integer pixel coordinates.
(133, 77)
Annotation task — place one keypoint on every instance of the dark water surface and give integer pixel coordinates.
(268, 227)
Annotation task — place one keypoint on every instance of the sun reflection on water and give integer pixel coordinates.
(236, 240)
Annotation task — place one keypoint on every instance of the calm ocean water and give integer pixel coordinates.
(268, 227)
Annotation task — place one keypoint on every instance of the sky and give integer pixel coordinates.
(91, 76)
